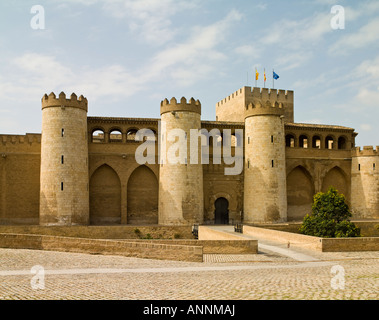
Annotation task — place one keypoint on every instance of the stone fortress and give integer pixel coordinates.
(82, 170)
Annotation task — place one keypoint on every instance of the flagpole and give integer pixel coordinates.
(273, 79)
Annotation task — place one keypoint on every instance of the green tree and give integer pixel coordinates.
(330, 217)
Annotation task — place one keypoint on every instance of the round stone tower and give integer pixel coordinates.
(265, 196)
(64, 196)
(180, 178)
(365, 183)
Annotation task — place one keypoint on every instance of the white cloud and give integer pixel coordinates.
(296, 39)
(365, 127)
(248, 51)
(293, 34)
(368, 97)
(364, 37)
(196, 56)
(35, 74)
(193, 59)
(151, 20)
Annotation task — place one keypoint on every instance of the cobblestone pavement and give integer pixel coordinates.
(267, 275)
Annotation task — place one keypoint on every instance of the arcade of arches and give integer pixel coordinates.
(301, 189)
(142, 195)
(105, 196)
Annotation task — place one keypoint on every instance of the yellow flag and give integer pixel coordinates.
(256, 74)
(264, 75)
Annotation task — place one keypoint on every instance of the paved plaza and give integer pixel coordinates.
(276, 272)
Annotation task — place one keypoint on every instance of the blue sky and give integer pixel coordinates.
(126, 56)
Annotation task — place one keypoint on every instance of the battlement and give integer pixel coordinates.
(14, 139)
(172, 106)
(366, 151)
(284, 96)
(74, 102)
(234, 106)
(271, 94)
(260, 108)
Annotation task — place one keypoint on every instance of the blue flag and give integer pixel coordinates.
(275, 76)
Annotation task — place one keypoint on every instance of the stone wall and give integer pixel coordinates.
(216, 246)
(105, 232)
(350, 244)
(20, 158)
(297, 240)
(315, 243)
(107, 247)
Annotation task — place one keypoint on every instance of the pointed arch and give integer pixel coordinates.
(336, 178)
(142, 197)
(300, 191)
(105, 196)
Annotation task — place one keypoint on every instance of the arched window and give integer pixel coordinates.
(303, 141)
(115, 136)
(131, 134)
(341, 143)
(97, 136)
(218, 139)
(153, 138)
(329, 141)
(316, 142)
(290, 141)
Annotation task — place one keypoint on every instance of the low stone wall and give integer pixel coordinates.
(350, 244)
(101, 246)
(206, 233)
(216, 246)
(104, 232)
(294, 239)
(315, 243)
(369, 228)
(215, 241)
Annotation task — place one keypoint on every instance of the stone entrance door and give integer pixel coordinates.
(221, 211)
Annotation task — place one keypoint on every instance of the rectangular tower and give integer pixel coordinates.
(232, 107)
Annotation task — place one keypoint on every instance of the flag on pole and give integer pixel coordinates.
(256, 74)
(264, 76)
(274, 75)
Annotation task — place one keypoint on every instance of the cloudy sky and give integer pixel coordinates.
(126, 56)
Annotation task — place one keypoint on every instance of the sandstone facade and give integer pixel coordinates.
(88, 173)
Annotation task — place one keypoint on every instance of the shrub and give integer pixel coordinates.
(330, 217)
(347, 229)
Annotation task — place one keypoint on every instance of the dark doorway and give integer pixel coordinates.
(222, 211)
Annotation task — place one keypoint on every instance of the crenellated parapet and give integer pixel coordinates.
(29, 138)
(52, 100)
(173, 105)
(366, 151)
(273, 95)
(261, 108)
(263, 94)
(233, 107)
